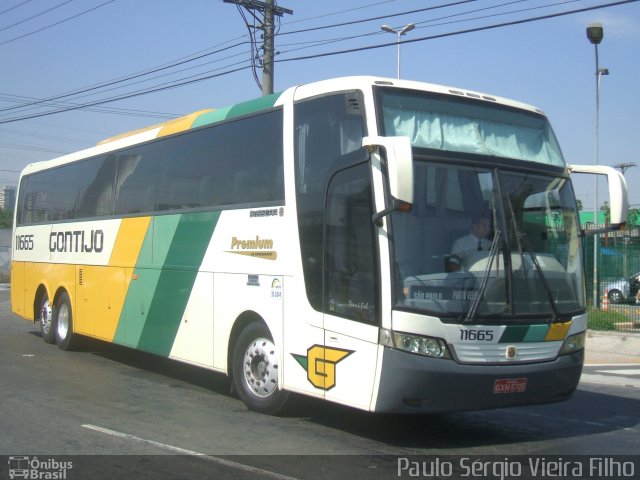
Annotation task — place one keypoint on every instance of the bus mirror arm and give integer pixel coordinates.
(618, 197)
(396, 206)
(399, 162)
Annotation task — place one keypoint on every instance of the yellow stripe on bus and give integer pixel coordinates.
(105, 288)
(180, 124)
(129, 241)
(166, 128)
(557, 331)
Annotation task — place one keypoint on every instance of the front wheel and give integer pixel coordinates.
(255, 366)
(63, 322)
(615, 296)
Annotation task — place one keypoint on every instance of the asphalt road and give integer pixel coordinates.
(133, 415)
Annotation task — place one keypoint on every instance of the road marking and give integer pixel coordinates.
(608, 365)
(183, 451)
(631, 371)
(615, 380)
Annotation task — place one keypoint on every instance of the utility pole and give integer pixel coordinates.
(623, 167)
(269, 10)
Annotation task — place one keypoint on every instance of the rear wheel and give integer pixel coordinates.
(255, 370)
(615, 296)
(63, 322)
(45, 318)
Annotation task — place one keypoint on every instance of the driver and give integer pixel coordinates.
(476, 239)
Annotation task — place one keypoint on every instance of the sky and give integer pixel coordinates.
(105, 49)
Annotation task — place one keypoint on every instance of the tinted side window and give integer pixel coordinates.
(328, 135)
(78, 190)
(350, 260)
(234, 163)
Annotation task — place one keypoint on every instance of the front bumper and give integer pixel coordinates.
(412, 383)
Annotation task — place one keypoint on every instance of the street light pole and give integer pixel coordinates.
(595, 33)
(399, 33)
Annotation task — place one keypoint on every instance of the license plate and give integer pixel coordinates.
(510, 385)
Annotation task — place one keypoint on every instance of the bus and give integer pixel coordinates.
(302, 244)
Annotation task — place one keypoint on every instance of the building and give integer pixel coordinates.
(7, 197)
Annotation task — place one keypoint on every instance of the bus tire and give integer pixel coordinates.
(255, 366)
(45, 318)
(63, 323)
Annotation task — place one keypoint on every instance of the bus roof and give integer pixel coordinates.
(209, 116)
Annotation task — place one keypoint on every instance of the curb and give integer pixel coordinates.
(603, 347)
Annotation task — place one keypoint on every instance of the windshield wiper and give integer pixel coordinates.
(471, 314)
(521, 238)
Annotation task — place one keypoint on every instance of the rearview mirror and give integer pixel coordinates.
(400, 171)
(618, 198)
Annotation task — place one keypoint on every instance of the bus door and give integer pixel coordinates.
(351, 313)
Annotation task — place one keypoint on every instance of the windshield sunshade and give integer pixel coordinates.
(461, 125)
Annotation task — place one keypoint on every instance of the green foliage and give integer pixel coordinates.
(605, 319)
(6, 218)
(634, 217)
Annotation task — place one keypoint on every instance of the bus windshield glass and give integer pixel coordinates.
(484, 243)
(457, 124)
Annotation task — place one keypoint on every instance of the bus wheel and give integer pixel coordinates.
(45, 318)
(63, 322)
(255, 370)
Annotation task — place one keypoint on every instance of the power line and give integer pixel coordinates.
(378, 32)
(317, 43)
(36, 15)
(117, 111)
(125, 96)
(56, 23)
(121, 79)
(460, 32)
(368, 5)
(192, 80)
(436, 7)
(14, 7)
(168, 65)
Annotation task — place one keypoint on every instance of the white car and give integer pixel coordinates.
(622, 290)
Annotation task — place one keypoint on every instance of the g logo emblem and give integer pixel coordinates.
(320, 364)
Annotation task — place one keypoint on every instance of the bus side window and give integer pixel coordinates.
(350, 254)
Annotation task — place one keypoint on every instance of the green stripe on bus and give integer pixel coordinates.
(244, 108)
(211, 117)
(536, 333)
(514, 334)
(176, 281)
(524, 333)
(151, 258)
(252, 106)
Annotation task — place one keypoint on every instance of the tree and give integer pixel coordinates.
(6, 218)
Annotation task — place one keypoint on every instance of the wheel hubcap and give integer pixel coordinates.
(261, 367)
(45, 317)
(63, 321)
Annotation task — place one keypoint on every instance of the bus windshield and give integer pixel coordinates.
(468, 126)
(480, 243)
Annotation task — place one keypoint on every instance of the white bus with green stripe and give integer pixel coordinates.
(301, 243)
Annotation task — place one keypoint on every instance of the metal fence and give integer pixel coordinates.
(5, 255)
(615, 307)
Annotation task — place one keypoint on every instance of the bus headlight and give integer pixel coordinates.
(573, 343)
(420, 344)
